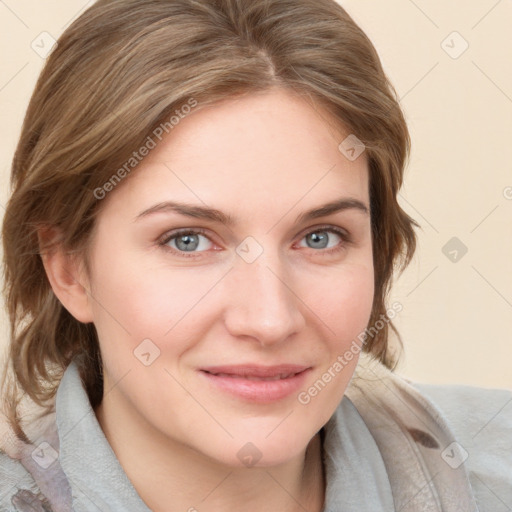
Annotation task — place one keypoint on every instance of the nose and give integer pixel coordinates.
(263, 304)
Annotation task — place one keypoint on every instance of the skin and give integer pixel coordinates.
(263, 159)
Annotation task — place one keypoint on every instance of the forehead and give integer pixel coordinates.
(271, 149)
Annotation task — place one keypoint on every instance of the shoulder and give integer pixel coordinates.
(481, 421)
(474, 413)
(17, 487)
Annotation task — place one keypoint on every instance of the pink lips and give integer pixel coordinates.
(254, 383)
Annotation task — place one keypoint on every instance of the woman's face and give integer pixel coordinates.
(228, 338)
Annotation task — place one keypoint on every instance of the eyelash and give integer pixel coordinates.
(345, 237)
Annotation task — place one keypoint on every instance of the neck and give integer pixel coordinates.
(182, 479)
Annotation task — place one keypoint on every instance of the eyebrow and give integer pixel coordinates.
(206, 213)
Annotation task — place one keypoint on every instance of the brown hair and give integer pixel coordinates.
(119, 71)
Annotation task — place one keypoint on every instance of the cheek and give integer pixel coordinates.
(342, 301)
(136, 300)
(343, 305)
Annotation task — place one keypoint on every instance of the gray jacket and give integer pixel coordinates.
(391, 445)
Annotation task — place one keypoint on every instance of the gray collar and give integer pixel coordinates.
(97, 480)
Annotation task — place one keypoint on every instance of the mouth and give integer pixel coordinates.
(253, 383)
(253, 372)
(255, 377)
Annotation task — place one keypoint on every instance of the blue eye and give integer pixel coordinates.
(190, 242)
(186, 241)
(321, 237)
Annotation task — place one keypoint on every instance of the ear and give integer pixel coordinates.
(66, 275)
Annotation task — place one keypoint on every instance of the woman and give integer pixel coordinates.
(201, 237)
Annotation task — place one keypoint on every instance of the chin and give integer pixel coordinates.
(257, 448)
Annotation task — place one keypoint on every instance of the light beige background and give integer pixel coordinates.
(456, 321)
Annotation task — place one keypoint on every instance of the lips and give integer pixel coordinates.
(256, 372)
(256, 383)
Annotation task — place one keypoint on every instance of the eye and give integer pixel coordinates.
(187, 241)
(327, 238)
